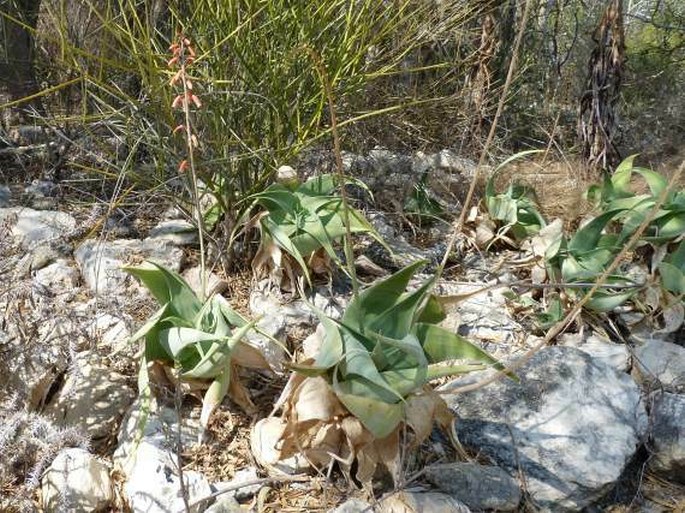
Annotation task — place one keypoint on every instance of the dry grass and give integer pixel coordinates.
(559, 186)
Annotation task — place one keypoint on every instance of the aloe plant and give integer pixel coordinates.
(615, 194)
(202, 341)
(514, 210)
(303, 221)
(373, 367)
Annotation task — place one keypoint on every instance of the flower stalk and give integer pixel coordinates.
(183, 55)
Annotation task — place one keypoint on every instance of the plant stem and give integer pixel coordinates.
(337, 150)
(491, 135)
(193, 175)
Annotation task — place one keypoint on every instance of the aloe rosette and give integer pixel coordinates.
(371, 376)
(204, 342)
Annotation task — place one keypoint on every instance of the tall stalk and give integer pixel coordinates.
(183, 55)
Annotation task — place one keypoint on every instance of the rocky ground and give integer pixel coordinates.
(594, 424)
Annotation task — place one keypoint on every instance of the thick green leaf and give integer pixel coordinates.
(357, 361)
(276, 233)
(432, 312)
(378, 298)
(443, 345)
(587, 238)
(215, 394)
(602, 301)
(397, 320)
(672, 278)
(397, 354)
(379, 417)
(167, 287)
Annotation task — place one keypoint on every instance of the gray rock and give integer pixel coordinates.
(422, 502)
(153, 485)
(659, 363)
(176, 231)
(477, 486)
(157, 426)
(241, 476)
(101, 262)
(76, 481)
(146, 455)
(403, 253)
(353, 506)
(225, 505)
(29, 374)
(570, 426)
(111, 332)
(274, 326)
(615, 355)
(93, 398)
(5, 195)
(668, 435)
(34, 227)
(268, 302)
(483, 318)
(41, 189)
(58, 275)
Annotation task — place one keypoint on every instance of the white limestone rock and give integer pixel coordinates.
(76, 481)
(569, 426)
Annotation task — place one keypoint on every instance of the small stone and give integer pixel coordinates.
(34, 227)
(659, 363)
(241, 476)
(225, 505)
(353, 506)
(5, 195)
(668, 435)
(76, 481)
(422, 502)
(213, 284)
(60, 274)
(477, 486)
(175, 231)
(274, 354)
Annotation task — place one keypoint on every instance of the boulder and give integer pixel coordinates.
(568, 427)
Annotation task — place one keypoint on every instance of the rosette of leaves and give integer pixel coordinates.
(583, 257)
(202, 342)
(299, 225)
(616, 193)
(420, 207)
(370, 379)
(513, 211)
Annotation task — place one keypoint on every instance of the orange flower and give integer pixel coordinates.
(183, 166)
